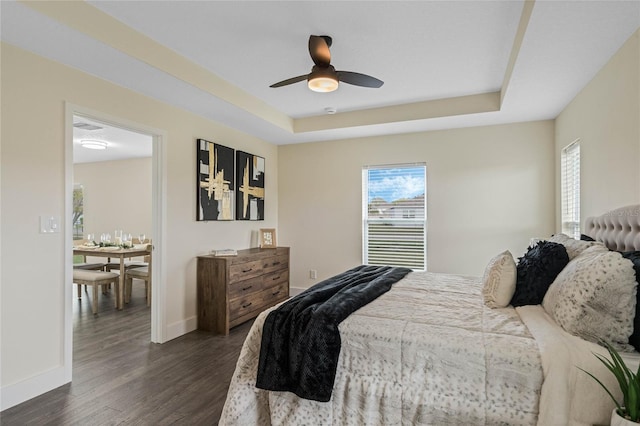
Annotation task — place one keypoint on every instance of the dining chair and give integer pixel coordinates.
(96, 279)
(130, 263)
(80, 261)
(142, 273)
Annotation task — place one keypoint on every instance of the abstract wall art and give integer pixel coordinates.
(250, 177)
(215, 176)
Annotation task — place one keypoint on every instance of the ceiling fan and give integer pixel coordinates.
(323, 76)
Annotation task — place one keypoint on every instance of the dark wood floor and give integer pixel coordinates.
(119, 377)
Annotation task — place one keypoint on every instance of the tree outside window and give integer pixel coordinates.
(78, 213)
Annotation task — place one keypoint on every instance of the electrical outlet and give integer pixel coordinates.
(313, 274)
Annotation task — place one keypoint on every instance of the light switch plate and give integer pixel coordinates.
(49, 224)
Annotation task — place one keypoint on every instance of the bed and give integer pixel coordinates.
(442, 349)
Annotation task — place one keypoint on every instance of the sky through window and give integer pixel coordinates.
(392, 184)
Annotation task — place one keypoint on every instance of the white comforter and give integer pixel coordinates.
(426, 352)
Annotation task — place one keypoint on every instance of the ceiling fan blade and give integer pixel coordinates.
(358, 79)
(319, 50)
(290, 81)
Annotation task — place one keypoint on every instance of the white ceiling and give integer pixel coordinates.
(122, 143)
(422, 50)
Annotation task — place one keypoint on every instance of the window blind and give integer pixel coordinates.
(394, 215)
(570, 181)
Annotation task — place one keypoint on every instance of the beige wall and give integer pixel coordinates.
(117, 195)
(34, 92)
(488, 189)
(605, 116)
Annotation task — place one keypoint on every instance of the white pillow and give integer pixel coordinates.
(575, 247)
(594, 297)
(499, 280)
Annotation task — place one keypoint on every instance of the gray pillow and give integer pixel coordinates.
(594, 297)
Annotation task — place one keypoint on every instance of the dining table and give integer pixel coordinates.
(116, 252)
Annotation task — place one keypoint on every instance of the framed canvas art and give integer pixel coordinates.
(250, 177)
(215, 177)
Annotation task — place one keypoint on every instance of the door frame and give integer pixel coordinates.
(159, 214)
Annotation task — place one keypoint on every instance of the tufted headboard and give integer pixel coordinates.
(618, 229)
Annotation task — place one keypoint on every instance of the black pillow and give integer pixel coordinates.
(634, 339)
(536, 270)
(585, 237)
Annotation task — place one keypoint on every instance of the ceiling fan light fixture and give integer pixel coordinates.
(323, 79)
(323, 84)
(93, 144)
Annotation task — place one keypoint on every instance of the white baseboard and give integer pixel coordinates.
(20, 392)
(180, 328)
(294, 291)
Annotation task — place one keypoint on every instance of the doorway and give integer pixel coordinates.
(156, 138)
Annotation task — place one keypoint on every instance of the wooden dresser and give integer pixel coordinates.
(234, 289)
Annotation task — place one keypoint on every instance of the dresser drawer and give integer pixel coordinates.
(275, 263)
(275, 294)
(275, 278)
(244, 305)
(244, 288)
(257, 301)
(245, 271)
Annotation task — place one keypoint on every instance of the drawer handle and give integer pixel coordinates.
(247, 305)
(247, 270)
(275, 263)
(276, 293)
(276, 278)
(246, 288)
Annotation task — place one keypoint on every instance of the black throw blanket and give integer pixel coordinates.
(300, 339)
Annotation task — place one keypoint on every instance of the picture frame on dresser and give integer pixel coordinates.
(268, 238)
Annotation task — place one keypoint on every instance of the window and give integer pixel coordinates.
(394, 215)
(78, 212)
(570, 181)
